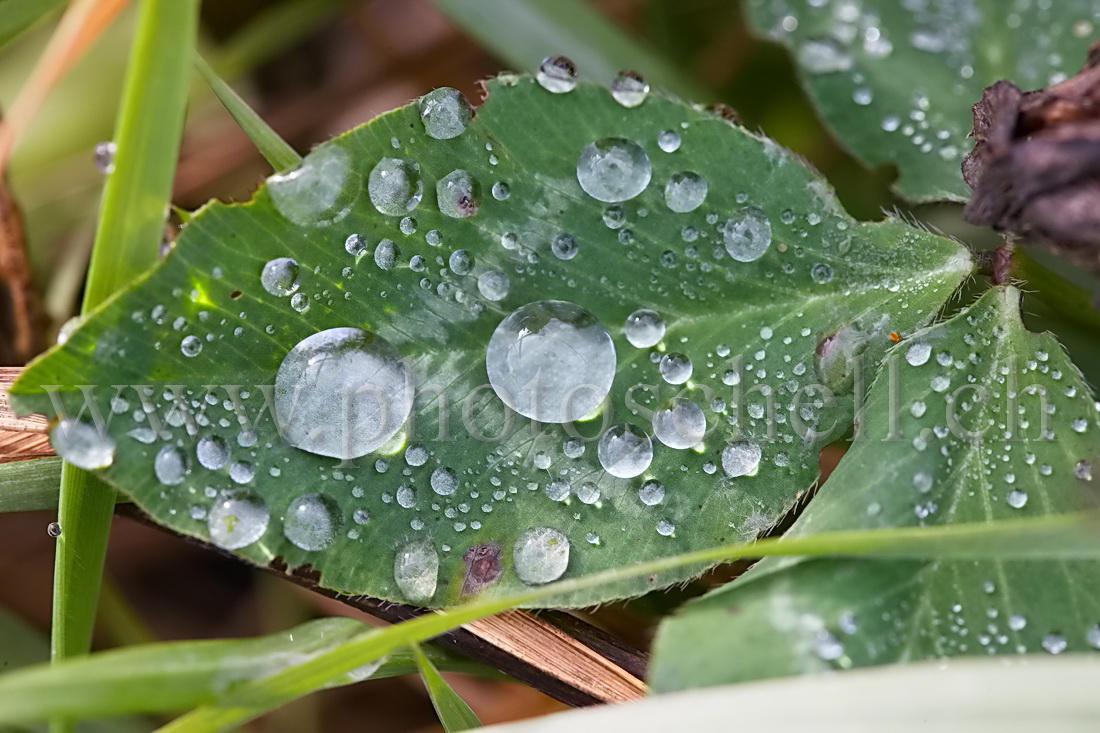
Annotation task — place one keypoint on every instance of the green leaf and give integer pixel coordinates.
(176, 675)
(980, 696)
(17, 16)
(275, 150)
(29, 485)
(895, 81)
(128, 235)
(972, 420)
(452, 710)
(822, 275)
(524, 32)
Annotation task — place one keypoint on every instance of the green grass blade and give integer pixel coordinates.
(275, 150)
(29, 485)
(178, 675)
(452, 710)
(523, 32)
(128, 235)
(1063, 536)
(17, 16)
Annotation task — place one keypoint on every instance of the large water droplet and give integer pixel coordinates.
(917, 354)
(613, 169)
(343, 393)
(749, 235)
(416, 571)
(741, 458)
(557, 74)
(644, 328)
(685, 191)
(625, 451)
(395, 187)
(280, 276)
(445, 112)
(212, 452)
(82, 445)
(679, 423)
(457, 193)
(312, 521)
(319, 191)
(385, 254)
(237, 519)
(551, 361)
(443, 481)
(629, 88)
(541, 555)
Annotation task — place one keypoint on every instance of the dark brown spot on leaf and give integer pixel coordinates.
(482, 568)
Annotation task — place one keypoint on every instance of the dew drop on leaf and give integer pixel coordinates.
(565, 246)
(191, 345)
(342, 393)
(457, 194)
(385, 254)
(685, 191)
(625, 451)
(557, 74)
(501, 192)
(355, 244)
(237, 519)
(824, 56)
(679, 423)
(445, 113)
(493, 285)
(280, 276)
(613, 169)
(541, 555)
(669, 141)
(171, 465)
(748, 235)
(443, 481)
(82, 445)
(629, 89)
(416, 571)
(212, 452)
(651, 493)
(395, 187)
(918, 354)
(644, 328)
(312, 522)
(320, 191)
(551, 361)
(741, 458)
(676, 368)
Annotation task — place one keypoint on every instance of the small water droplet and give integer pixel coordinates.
(191, 346)
(741, 458)
(395, 187)
(652, 493)
(824, 56)
(557, 74)
(280, 276)
(922, 481)
(629, 88)
(665, 528)
(457, 194)
(565, 246)
(355, 244)
(644, 328)
(342, 392)
(1016, 499)
(237, 519)
(53, 529)
(679, 423)
(501, 192)
(685, 191)
(312, 522)
(918, 354)
(541, 555)
(443, 481)
(493, 285)
(669, 141)
(82, 444)
(105, 157)
(212, 452)
(1054, 643)
(416, 571)
(551, 361)
(748, 236)
(821, 273)
(445, 113)
(676, 368)
(613, 169)
(625, 451)
(385, 254)
(171, 465)
(318, 192)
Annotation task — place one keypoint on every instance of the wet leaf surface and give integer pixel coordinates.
(895, 80)
(391, 258)
(981, 421)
